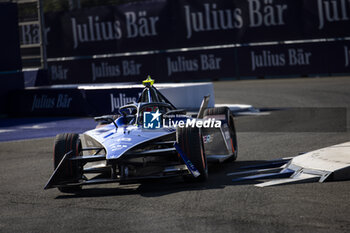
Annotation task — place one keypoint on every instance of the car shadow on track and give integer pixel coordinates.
(218, 179)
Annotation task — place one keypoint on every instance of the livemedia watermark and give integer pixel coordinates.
(154, 120)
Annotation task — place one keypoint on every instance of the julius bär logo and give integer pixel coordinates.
(152, 120)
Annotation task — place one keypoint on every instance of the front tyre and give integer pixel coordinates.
(72, 170)
(191, 142)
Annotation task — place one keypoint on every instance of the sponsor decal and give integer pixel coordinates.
(205, 62)
(58, 72)
(261, 13)
(332, 11)
(62, 101)
(118, 147)
(121, 100)
(137, 24)
(208, 138)
(293, 57)
(30, 34)
(266, 13)
(212, 19)
(123, 140)
(106, 70)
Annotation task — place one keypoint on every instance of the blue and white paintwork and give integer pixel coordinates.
(117, 141)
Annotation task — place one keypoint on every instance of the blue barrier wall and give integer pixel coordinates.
(70, 101)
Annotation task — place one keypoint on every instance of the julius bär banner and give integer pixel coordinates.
(159, 25)
(290, 59)
(266, 60)
(71, 101)
(104, 70)
(110, 29)
(340, 52)
(325, 18)
(165, 67)
(201, 64)
(295, 59)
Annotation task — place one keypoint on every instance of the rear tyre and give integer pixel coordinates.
(72, 170)
(191, 142)
(219, 112)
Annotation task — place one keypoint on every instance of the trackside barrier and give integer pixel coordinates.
(9, 81)
(93, 100)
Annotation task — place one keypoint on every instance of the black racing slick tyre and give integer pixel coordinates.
(191, 142)
(72, 170)
(218, 112)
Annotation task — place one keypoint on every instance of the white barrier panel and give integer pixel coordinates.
(102, 99)
(187, 95)
(181, 95)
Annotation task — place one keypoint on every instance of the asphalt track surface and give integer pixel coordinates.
(217, 205)
(12, 129)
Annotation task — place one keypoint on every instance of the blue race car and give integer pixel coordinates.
(149, 139)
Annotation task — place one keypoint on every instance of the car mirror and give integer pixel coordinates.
(124, 111)
(106, 119)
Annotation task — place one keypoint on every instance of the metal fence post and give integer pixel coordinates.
(42, 35)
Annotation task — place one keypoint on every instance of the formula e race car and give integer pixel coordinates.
(149, 139)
